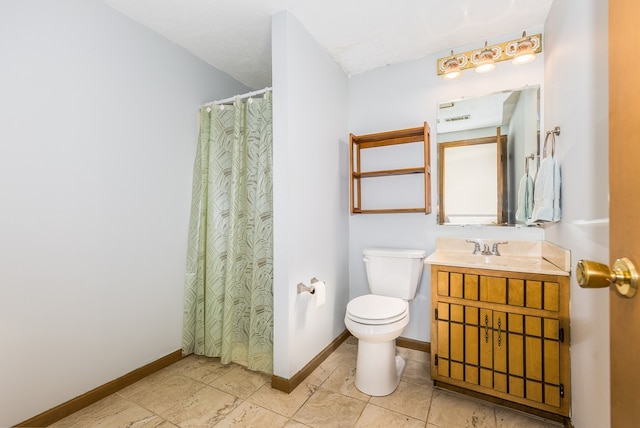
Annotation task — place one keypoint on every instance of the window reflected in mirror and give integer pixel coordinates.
(472, 178)
(483, 143)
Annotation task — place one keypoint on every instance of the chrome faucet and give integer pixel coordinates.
(476, 249)
(494, 250)
(485, 251)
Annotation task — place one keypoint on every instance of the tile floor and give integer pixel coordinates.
(201, 392)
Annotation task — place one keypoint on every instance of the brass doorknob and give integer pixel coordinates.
(592, 274)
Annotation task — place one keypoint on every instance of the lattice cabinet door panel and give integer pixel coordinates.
(500, 352)
(486, 348)
(472, 345)
(516, 352)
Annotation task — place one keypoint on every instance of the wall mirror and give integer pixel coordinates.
(485, 145)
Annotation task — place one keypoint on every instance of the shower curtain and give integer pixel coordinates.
(228, 306)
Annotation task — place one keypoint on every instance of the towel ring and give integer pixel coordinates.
(552, 133)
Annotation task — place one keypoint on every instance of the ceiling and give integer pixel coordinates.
(361, 35)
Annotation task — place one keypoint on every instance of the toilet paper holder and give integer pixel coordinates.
(310, 288)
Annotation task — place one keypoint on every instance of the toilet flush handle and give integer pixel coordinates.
(366, 260)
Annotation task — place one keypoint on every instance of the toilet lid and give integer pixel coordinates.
(374, 309)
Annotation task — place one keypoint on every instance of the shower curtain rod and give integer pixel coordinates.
(232, 99)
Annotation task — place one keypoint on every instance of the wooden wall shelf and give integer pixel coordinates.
(382, 139)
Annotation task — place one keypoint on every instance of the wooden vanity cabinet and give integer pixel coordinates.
(502, 334)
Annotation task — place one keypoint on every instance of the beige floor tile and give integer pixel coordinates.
(295, 424)
(161, 423)
(112, 411)
(281, 402)
(506, 418)
(319, 375)
(351, 340)
(450, 410)
(145, 383)
(408, 399)
(200, 368)
(329, 409)
(240, 382)
(345, 355)
(417, 372)
(167, 393)
(249, 415)
(342, 380)
(378, 417)
(204, 408)
(412, 354)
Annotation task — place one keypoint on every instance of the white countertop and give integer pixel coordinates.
(517, 256)
(505, 263)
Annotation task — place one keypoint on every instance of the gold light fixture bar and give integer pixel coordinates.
(501, 52)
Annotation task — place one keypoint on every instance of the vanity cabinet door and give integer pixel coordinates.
(502, 335)
(472, 345)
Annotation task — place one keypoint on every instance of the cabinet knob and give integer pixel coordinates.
(592, 274)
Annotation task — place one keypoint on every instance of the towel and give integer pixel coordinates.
(546, 194)
(524, 208)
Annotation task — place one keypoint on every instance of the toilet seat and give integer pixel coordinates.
(372, 309)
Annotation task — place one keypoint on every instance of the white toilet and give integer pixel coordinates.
(377, 319)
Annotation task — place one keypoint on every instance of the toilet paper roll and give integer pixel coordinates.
(320, 293)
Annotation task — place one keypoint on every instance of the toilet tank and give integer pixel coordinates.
(394, 272)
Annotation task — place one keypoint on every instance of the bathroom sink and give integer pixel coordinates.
(510, 263)
(497, 260)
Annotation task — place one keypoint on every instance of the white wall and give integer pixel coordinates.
(98, 136)
(404, 96)
(576, 99)
(310, 194)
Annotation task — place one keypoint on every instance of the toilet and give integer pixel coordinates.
(379, 318)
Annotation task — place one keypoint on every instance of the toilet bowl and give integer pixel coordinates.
(379, 318)
(376, 321)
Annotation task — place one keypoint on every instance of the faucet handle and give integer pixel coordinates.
(476, 249)
(494, 250)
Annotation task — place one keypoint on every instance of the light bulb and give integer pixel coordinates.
(451, 68)
(524, 50)
(485, 60)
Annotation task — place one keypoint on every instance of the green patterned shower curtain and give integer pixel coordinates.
(228, 306)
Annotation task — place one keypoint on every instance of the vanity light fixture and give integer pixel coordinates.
(524, 50)
(452, 68)
(485, 59)
(518, 51)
